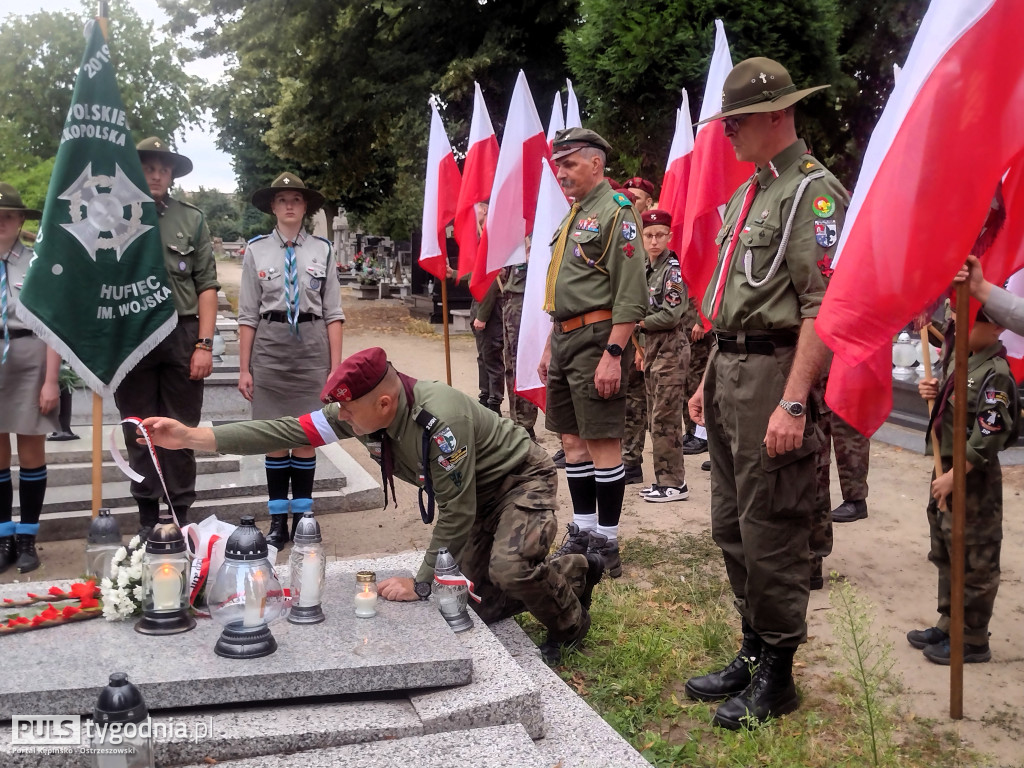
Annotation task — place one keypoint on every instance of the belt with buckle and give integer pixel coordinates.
(18, 333)
(763, 343)
(277, 316)
(587, 318)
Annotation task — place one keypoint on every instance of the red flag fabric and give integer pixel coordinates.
(950, 131)
(715, 173)
(677, 172)
(440, 196)
(477, 178)
(513, 200)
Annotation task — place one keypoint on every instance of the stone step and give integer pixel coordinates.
(499, 746)
(80, 472)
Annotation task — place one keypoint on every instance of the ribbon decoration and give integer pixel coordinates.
(457, 581)
(126, 468)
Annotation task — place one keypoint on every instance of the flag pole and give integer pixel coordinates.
(956, 556)
(444, 322)
(97, 401)
(926, 349)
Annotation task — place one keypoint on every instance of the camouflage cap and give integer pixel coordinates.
(10, 200)
(572, 140)
(158, 147)
(264, 198)
(758, 85)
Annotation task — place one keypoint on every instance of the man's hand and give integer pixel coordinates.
(696, 405)
(245, 385)
(785, 433)
(697, 332)
(942, 486)
(608, 376)
(638, 361)
(168, 433)
(397, 588)
(201, 365)
(49, 397)
(542, 367)
(479, 325)
(928, 388)
(979, 287)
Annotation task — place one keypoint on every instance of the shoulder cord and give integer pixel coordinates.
(784, 243)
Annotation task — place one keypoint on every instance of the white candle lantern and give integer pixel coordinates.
(103, 541)
(117, 740)
(246, 596)
(165, 605)
(904, 356)
(308, 572)
(366, 594)
(451, 592)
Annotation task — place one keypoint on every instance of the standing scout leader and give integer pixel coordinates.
(495, 489)
(776, 246)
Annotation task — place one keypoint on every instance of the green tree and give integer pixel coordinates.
(222, 210)
(39, 59)
(31, 182)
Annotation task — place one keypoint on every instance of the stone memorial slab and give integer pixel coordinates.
(405, 646)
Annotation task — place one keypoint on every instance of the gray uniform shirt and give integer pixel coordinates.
(263, 289)
(17, 265)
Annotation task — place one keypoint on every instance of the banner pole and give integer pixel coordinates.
(926, 352)
(956, 556)
(444, 321)
(97, 453)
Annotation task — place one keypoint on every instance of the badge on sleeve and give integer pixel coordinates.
(990, 422)
(824, 206)
(994, 396)
(826, 233)
(445, 440)
(673, 299)
(629, 250)
(629, 230)
(825, 265)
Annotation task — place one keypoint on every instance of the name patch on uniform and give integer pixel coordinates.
(629, 230)
(446, 440)
(826, 233)
(448, 463)
(588, 225)
(824, 206)
(994, 396)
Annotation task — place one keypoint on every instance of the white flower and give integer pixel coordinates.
(106, 584)
(135, 572)
(122, 578)
(120, 555)
(137, 556)
(138, 593)
(134, 543)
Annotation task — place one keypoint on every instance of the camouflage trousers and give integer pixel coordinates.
(820, 541)
(668, 357)
(520, 410)
(983, 533)
(853, 452)
(635, 436)
(694, 373)
(506, 552)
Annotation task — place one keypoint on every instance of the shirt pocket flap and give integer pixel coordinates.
(183, 250)
(317, 270)
(582, 236)
(756, 235)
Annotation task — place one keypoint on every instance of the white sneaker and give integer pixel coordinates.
(648, 489)
(662, 493)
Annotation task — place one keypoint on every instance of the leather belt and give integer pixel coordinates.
(277, 316)
(755, 344)
(587, 318)
(19, 333)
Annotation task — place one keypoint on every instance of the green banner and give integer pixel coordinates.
(96, 290)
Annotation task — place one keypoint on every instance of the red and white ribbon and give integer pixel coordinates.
(457, 581)
(125, 467)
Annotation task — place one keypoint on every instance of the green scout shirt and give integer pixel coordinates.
(513, 279)
(767, 288)
(992, 408)
(481, 450)
(188, 254)
(668, 296)
(482, 310)
(602, 264)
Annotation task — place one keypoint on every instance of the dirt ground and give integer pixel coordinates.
(884, 556)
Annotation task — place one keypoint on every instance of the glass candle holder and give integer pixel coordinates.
(366, 594)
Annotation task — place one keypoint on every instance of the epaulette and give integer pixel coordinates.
(809, 165)
(189, 205)
(324, 239)
(259, 237)
(673, 261)
(621, 199)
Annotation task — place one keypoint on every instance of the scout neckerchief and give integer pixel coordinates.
(291, 284)
(3, 303)
(426, 420)
(748, 200)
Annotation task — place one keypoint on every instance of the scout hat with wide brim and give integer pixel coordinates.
(758, 85)
(264, 198)
(571, 140)
(153, 146)
(10, 200)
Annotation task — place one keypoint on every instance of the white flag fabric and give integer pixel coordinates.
(557, 121)
(572, 109)
(440, 197)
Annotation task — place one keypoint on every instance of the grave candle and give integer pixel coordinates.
(366, 594)
(166, 588)
(309, 584)
(254, 598)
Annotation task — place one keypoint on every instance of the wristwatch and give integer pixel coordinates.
(422, 589)
(614, 350)
(793, 409)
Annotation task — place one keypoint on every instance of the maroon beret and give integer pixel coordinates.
(357, 375)
(631, 194)
(642, 184)
(614, 184)
(656, 216)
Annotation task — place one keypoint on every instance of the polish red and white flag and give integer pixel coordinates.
(715, 174)
(677, 172)
(513, 201)
(477, 178)
(572, 108)
(949, 133)
(557, 120)
(552, 206)
(440, 195)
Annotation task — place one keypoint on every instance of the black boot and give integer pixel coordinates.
(771, 693)
(575, 542)
(277, 536)
(295, 524)
(551, 649)
(732, 679)
(595, 570)
(28, 560)
(149, 515)
(8, 552)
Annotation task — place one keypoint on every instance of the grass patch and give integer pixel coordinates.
(670, 617)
